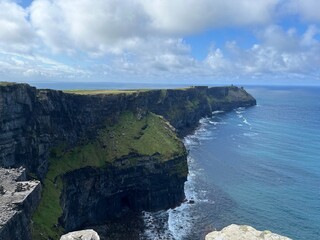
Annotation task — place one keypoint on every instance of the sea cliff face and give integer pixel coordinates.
(149, 185)
(32, 121)
(96, 150)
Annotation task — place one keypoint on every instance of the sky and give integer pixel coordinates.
(161, 41)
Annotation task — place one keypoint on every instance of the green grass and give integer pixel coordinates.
(146, 135)
(192, 105)
(109, 92)
(118, 91)
(7, 83)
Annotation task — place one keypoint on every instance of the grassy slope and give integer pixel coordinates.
(147, 136)
(7, 83)
(93, 92)
(115, 91)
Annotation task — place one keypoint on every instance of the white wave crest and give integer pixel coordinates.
(246, 122)
(216, 112)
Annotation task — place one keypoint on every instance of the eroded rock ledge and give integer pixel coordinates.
(18, 200)
(243, 232)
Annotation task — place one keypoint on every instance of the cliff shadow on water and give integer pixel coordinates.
(103, 154)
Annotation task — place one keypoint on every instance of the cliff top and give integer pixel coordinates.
(104, 91)
(7, 84)
(115, 91)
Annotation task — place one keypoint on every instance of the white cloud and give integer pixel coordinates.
(28, 66)
(114, 26)
(90, 26)
(307, 9)
(191, 16)
(16, 32)
(279, 53)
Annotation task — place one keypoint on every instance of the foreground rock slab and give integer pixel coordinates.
(81, 235)
(18, 200)
(243, 232)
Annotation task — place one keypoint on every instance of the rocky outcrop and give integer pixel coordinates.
(18, 200)
(83, 235)
(243, 232)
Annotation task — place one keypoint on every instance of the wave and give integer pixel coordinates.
(216, 123)
(217, 112)
(190, 141)
(156, 226)
(239, 112)
(252, 134)
(246, 122)
(175, 224)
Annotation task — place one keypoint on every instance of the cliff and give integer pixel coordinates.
(33, 121)
(93, 149)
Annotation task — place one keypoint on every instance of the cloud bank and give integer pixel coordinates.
(140, 39)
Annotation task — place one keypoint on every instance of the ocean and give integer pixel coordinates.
(258, 166)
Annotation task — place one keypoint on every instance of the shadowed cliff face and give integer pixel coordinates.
(108, 193)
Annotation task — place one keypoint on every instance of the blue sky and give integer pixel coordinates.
(161, 41)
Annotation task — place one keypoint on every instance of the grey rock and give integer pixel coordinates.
(243, 232)
(81, 235)
(16, 207)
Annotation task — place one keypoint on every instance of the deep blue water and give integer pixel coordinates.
(258, 166)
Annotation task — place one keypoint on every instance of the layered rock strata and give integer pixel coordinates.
(18, 200)
(149, 185)
(32, 121)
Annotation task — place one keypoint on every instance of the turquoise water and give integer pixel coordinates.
(258, 166)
